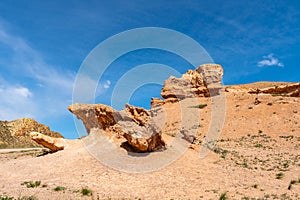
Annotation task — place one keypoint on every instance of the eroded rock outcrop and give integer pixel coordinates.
(155, 102)
(194, 83)
(23, 126)
(292, 90)
(139, 115)
(95, 115)
(54, 144)
(133, 123)
(140, 127)
(142, 138)
(15, 134)
(272, 88)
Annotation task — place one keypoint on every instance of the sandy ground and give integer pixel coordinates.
(256, 157)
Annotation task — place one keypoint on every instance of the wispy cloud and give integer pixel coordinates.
(270, 60)
(22, 91)
(32, 64)
(38, 89)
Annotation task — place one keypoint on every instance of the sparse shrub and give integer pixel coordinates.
(173, 134)
(30, 184)
(199, 106)
(28, 198)
(86, 192)
(286, 165)
(224, 154)
(59, 188)
(6, 198)
(258, 145)
(293, 182)
(284, 196)
(245, 164)
(255, 186)
(260, 131)
(279, 175)
(196, 126)
(223, 196)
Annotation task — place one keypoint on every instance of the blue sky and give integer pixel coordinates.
(43, 43)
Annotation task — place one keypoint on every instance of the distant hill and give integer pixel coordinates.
(15, 134)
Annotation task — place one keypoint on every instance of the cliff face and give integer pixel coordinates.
(15, 134)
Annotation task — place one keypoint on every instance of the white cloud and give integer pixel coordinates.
(270, 60)
(106, 85)
(22, 91)
(16, 102)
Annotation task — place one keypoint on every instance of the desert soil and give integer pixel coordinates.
(256, 157)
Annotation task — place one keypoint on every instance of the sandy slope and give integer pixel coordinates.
(258, 143)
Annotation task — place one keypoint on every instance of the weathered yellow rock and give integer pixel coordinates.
(54, 144)
(132, 122)
(194, 83)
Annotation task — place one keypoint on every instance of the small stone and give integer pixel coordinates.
(257, 101)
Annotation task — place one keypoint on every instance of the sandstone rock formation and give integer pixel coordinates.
(292, 90)
(15, 134)
(139, 115)
(137, 125)
(194, 83)
(21, 127)
(134, 124)
(272, 88)
(95, 115)
(156, 102)
(142, 138)
(54, 144)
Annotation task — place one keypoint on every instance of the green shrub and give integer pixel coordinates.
(30, 184)
(86, 192)
(199, 106)
(28, 198)
(59, 188)
(279, 175)
(6, 198)
(20, 198)
(223, 196)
